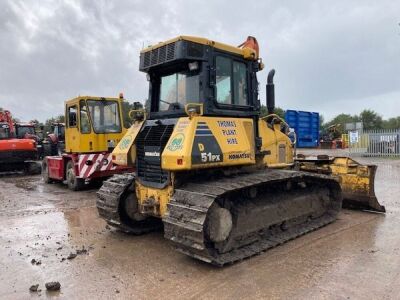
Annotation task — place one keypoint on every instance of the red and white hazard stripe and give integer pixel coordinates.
(90, 163)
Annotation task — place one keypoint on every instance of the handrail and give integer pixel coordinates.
(143, 111)
(194, 105)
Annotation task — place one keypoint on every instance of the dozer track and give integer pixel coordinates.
(288, 204)
(108, 204)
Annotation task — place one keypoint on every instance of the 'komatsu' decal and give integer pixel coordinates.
(154, 153)
(205, 146)
(239, 155)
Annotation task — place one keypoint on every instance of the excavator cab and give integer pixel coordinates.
(16, 153)
(24, 130)
(4, 131)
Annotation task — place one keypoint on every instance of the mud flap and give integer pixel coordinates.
(356, 180)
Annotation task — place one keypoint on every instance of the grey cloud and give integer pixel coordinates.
(329, 58)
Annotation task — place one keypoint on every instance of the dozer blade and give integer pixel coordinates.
(358, 184)
(356, 180)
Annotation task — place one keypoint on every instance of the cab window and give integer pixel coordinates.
(24, 130)
(4, 131)
(223, 80)
(85, 124)
(178, 89)
(239, 83)
(231, 81)
(72, 121)
(104, 116)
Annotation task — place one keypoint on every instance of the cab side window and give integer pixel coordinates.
(231, 81)
(72, 119)
(83, 114)
(240, 83)
(223, 80)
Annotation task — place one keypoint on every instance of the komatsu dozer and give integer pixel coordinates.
(222, 180)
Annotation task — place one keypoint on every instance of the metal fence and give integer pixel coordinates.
(381, 142)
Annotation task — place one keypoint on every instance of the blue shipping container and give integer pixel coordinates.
(306, 126)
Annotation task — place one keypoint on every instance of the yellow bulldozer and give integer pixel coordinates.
(222, 181)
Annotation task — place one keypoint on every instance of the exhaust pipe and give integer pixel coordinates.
(271, 92)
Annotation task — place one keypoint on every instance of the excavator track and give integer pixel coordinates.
(289, 204)
(108, 204)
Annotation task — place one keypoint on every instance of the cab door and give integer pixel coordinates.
(87, 136)
(72, 140)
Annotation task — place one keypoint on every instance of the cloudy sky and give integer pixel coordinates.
(330, 56)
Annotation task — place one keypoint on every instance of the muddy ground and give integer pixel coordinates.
(356, 257)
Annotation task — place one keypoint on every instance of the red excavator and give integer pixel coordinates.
(16, 154)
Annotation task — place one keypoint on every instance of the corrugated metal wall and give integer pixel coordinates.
(306, 126)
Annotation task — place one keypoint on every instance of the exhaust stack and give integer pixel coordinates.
(271, 92)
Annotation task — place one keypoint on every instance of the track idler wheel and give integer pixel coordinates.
(131, 208)
(219, 224)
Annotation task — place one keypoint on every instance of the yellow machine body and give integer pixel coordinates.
(201, 142)
(153, 201)
(206, 162)
(245, 52)
(276, 144)
(210, 142)
(93, 124)
(205, 142)
(125, 152)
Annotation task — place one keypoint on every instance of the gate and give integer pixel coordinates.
(379, 142)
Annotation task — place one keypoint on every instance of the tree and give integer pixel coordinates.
(371, 120)
(321, 121)
(279, 111)
(36, 122)
(340, 121)
(49, 122)
(392, 123)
